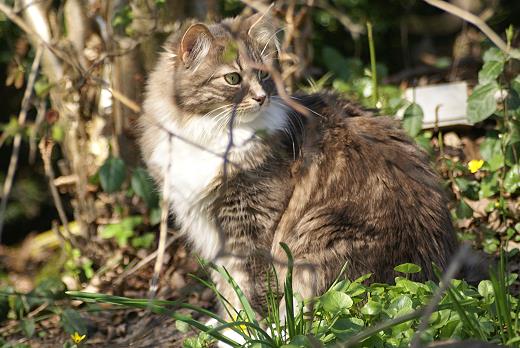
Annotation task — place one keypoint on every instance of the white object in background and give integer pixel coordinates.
(447, 102)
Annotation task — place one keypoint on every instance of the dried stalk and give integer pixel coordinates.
(476, 21)
(22, 116)
(163, 229)
(46, 145)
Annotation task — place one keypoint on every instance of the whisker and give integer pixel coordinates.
(314, 112)
(270, 38)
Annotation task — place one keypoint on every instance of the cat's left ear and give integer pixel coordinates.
(262, 29)
(195, 43)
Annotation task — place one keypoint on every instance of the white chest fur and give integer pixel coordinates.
(192, 158)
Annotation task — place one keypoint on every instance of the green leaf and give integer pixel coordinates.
(485, 289)
(490, 146)
(413, 119)
(144, 241)
(143, 187)
(121, 231)
(488, 186)
(407, 268)
(400, 305)
(512, 179)
(230, 53)
(42, 87)
(346, 327)
(28, 327)
(495, 162)
(494, 54)
(515, 84)
(490, 71)
(371, 308)
(72, 322)
(155, 216)
(335, 301)
(464, 211)
(344, 68)
(301, 341)
(182, 326)
(482, 103)
(57, 132)
(112, 174)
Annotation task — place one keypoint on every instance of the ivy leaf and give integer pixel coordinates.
(335, 301)
(143, 187)
(512, 179)
(407, 268)
(482, 103)
(413, 119)
(112, 174)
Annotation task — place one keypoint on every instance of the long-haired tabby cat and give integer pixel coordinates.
(336, 185)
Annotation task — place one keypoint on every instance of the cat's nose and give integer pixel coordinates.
(260, 98)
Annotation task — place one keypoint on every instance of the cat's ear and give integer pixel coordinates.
(195, 43)
(262, 29)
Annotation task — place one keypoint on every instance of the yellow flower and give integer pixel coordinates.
(77, 338)
(475, 165)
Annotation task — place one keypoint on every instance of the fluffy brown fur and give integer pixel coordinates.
(338, 186)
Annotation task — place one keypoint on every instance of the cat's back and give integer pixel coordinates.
(374, 195)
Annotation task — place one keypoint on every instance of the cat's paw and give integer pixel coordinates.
(232, 335)
(229, 333)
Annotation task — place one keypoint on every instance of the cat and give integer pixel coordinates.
(244, 171)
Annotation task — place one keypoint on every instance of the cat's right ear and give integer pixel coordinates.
(195, 43)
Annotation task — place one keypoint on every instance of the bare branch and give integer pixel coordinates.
(476, 21)
(22, 116)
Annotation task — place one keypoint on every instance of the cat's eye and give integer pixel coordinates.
(263, 74)
(233, 78)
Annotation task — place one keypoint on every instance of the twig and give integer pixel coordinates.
(46, 147)
(450, 273)
(163, 229)
(40, 115)
(375, 96)
(22, 116)
(476, 21)
(11, 14)
(355, 29)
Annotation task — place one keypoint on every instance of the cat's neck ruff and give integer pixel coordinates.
(192, 155)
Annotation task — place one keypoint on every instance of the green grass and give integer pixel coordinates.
(351, 313)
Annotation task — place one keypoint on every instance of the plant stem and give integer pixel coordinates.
(375, 96)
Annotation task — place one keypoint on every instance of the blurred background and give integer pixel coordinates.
(82, 209)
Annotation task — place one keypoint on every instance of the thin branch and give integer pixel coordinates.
(11, 15)
(476, 21)
(355, 29)
(163, 229)
(450, 273)
(22, 116)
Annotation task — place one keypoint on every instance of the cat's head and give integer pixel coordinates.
(216, 69)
